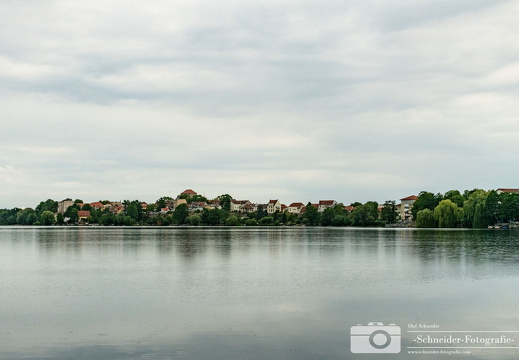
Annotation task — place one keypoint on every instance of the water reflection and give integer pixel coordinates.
(215, 293)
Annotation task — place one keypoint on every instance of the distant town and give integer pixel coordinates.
(469, 209)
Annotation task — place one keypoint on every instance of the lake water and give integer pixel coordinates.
(255, 293)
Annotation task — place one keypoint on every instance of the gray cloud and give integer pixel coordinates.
(298, 100)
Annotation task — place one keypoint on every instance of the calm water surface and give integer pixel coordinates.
(248, 293)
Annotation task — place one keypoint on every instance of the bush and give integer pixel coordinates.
(193, 220)
(232, 220)
(251, 222)
(268, 220)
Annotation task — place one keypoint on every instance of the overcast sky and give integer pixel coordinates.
(300, 100)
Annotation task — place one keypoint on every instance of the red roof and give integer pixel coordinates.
(297, 205)
(188, 192)
(83, 214)
(326, 202)
(273, 201)
(97, 205)
(509, 190)
(412, 197)
(349, 208)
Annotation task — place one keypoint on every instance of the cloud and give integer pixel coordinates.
(356, 101)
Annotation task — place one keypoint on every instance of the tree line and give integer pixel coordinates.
(471, 209)
(133, 214)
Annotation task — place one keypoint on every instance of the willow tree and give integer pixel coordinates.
(474, 209)
(446, 214)
(425, 219)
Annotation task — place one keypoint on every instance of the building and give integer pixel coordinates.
(237, 205)
(83, 215)
(97, 205)
(188, 193)
(273, 206)
(405, 206)
(173, 205)
(509, 191)
(197, 206)
(296, 208)
(324, 204)
(64, 204)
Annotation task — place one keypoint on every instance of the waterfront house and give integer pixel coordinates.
(83, 215)
(324, 204)
(405, 206)
(273, 206)
(295, 208)
(237, 205)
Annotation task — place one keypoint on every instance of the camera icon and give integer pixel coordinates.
(375, 338)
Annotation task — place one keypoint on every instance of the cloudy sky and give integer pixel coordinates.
(299, 100)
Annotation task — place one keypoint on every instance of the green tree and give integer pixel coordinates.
(363, 215)
(251, 222)
(87, 207)
(454, 196)
(267, 220)
(193, 220)
(47, 218)
(373, 209)
(232, 220)
(446, 214)
(311, 215)
(261, 212)
(389, 213)
(134, 209)
(180, 214)
(425, 219)
(161, 202)
(212, 216)
(426, 200)
(26, 216)
(107, 219)
(60, 220)
(8, 216)
(48, 205)
(474, 209)
(225, 201)
(70, 208)
(492, 208)
(74, 215)
(509, 206)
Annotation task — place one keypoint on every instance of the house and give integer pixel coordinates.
(97, 205)
(83, 215)
(249, 208)
(197, 206)
(273, 206)
(64, 204)
(324, 204)
(295, 208)
(188, 193)
(405, 206)
(237, 205)
(509, 191)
